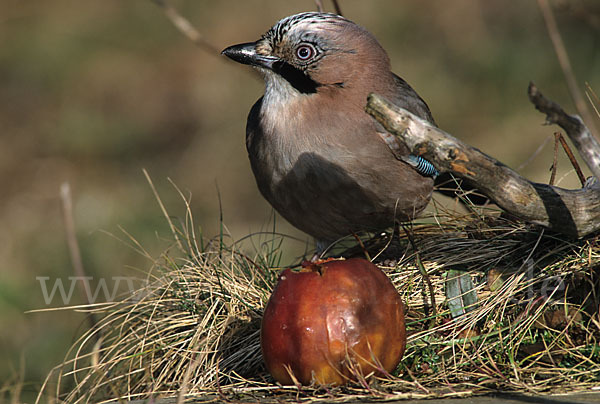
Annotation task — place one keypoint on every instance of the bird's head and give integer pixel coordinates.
(315, 52)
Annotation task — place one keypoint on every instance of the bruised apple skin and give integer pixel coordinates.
(329, 319)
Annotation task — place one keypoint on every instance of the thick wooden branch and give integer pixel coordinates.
(571, 212)
(580, 135)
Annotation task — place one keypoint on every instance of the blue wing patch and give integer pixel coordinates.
(422, 166)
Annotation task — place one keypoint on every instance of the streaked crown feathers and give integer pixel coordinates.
(302, 20)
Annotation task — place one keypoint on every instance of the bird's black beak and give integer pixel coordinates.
(245, 53)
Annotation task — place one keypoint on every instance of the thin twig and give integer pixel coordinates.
(319, 4)
(73, 244)
(185, 27)
(534, 154)
(590, 93)
(572, 158)
(565, 64)
(362, 246)
(337, 7)
(555, 159)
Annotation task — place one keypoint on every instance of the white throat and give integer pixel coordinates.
(281, 101)
(278, 91)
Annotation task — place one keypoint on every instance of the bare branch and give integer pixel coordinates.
(586, 144)
(572, 212)
(185, 27)
(565, 64)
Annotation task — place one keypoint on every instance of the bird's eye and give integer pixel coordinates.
(305, 52)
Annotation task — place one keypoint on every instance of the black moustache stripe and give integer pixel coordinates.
(296, 77)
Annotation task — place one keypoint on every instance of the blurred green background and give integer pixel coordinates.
(93, 92)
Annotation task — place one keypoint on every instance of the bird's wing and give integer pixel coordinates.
(404, 96)
(446, 184)
(408, 99)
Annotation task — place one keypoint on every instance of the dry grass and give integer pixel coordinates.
(193, 329)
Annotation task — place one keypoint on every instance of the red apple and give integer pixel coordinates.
(331, 321)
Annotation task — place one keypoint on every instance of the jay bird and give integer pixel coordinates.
(318, 158)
